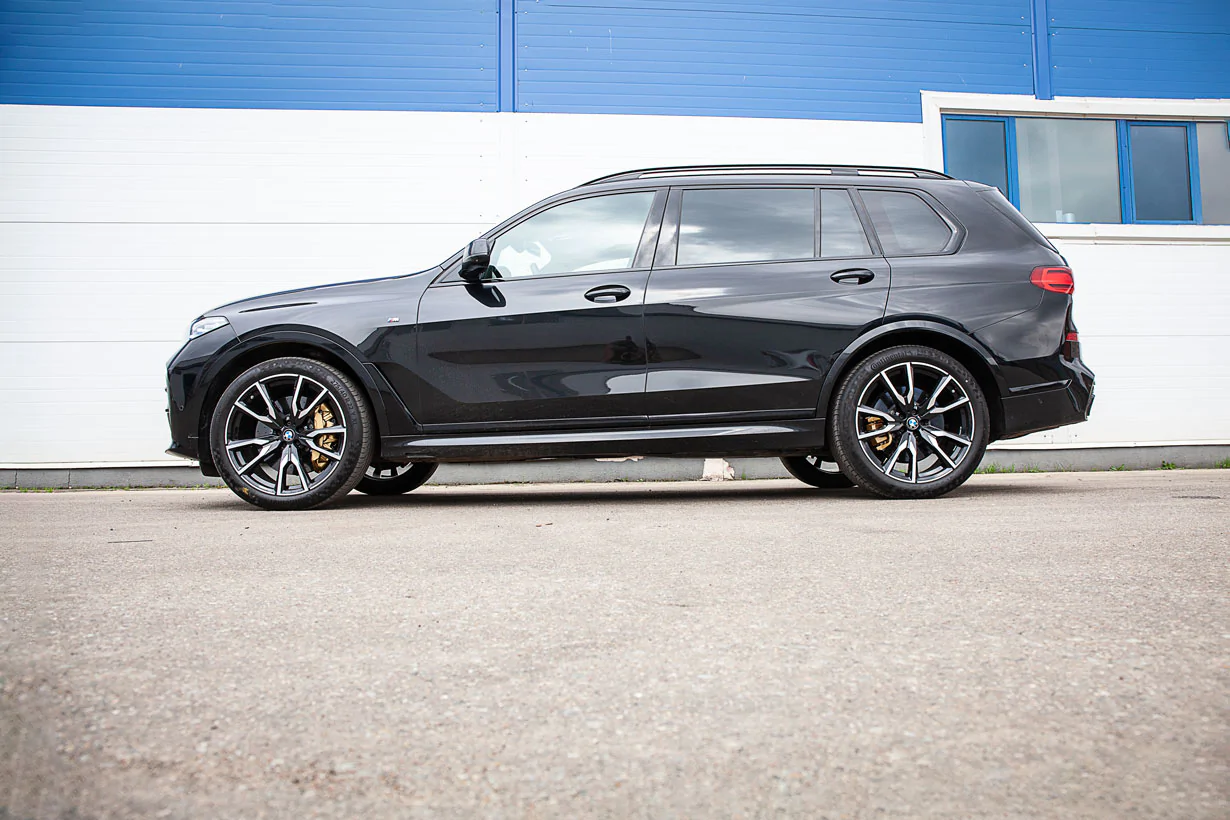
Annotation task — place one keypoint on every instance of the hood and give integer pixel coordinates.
(314, 295)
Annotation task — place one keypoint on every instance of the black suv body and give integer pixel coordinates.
(827, 315)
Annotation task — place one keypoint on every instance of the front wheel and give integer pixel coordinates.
(813, 470)
(391, 478)
(909, 422)
(291, 434)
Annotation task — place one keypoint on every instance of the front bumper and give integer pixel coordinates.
(189, 373)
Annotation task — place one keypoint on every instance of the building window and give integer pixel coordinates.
(1057, 169)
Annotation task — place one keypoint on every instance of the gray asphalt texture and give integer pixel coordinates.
(1051, 645)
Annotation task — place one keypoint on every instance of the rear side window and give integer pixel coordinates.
(841, 232)
(905, 224)
(724, 225)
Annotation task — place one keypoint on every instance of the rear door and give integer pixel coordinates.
(558, 339)
(755, 291)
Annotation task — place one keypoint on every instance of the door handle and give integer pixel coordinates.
(853, 276)
(605, 294)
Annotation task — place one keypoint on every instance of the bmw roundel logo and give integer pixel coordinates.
(911, 423)
(288, 435)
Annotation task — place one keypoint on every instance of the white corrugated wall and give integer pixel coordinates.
(119, 225)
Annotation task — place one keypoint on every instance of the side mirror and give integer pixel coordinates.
(476, 261)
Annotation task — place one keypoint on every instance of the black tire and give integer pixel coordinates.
(391, 478)
(924, 424)
(280, 457)
(813, 470)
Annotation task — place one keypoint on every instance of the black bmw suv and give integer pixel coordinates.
(869, 326)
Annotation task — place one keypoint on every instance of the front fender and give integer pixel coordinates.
(391, 415)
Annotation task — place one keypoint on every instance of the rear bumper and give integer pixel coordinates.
(1068, 402)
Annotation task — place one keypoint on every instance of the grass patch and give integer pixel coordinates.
(1224, 464)
(994, 469)
(1169, 465)
(1119, 469)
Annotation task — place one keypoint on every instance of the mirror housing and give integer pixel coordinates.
(476, 261)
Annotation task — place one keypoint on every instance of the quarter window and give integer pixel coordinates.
(905, 224)
(596, 234)
(841, 233)
(725, 225)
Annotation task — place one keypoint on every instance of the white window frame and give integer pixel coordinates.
(935, 104)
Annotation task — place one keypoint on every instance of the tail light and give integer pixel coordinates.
(1054, 279)
(1071, 345)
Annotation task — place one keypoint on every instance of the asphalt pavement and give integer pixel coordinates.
(1041, 645)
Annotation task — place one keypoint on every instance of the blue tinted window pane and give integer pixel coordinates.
(1163, 190)
(1214, 154)
(975, 149)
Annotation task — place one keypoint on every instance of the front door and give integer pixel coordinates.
(749, 304)
(556, 337)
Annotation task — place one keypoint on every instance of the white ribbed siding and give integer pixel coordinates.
(119, 225)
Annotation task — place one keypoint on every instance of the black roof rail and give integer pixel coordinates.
(714, 170)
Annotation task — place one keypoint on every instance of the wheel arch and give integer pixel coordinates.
(388, 412)
(945, 338)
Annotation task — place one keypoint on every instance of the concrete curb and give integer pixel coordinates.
(643, 469)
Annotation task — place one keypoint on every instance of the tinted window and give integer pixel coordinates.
(1213, 139)
(1160, 179)
(841, 234)
(905, 224)
(1069, 170)
(977, 150)
(746, 225)
(600, 233)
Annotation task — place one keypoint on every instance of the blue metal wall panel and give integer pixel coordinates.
(1141, 48)
(824, 59)
(374, 54)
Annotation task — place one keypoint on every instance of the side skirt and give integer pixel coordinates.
(772, 438)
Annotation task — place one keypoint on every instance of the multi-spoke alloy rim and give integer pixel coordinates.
(822, 465)
(387, 471)
(915, 422)
(285, 434)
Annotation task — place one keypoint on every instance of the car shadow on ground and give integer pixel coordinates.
(622, 493)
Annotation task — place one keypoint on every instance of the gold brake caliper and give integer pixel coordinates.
(872, 424)
(321, 419)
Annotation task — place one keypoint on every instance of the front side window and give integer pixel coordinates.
(905, 224)
(725, 225)
(596, 234)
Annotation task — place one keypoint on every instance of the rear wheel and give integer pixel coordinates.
(391, 478)
(909, 422)
(817, 472)
(291, 434)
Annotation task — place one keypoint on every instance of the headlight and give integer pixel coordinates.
(202, 326)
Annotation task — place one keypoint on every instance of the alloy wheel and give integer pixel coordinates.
(387, 471)
(915, 422)
(285, 434)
